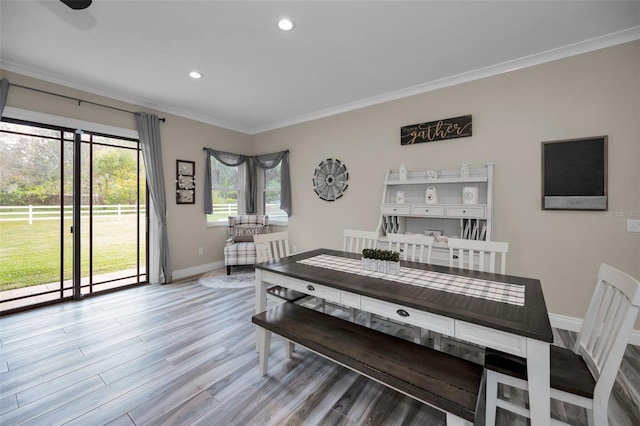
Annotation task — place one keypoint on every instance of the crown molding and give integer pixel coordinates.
(613, 39)
(100, 91)
(586, 46)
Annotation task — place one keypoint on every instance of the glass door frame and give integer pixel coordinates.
(77, 214)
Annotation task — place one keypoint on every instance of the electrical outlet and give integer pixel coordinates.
(200, 251)
(633, 225)
(295, 249)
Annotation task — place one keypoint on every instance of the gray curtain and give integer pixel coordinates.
(149, 132)
(266, 161)
(269, 161)
(231, 160)
(4, 91)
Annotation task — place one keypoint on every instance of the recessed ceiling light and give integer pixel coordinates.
(285, 24)
(195, 75)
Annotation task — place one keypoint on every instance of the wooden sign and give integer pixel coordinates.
(450, 128)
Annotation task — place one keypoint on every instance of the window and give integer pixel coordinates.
(230, 176)
(225, 191)
(272, 190)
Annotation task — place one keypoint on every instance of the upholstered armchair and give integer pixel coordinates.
(240, 248)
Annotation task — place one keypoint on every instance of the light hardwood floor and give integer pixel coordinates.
(184, 354)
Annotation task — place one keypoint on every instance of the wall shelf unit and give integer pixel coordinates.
(448, 216)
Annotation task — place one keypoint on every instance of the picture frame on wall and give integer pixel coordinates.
(185, 182)
(185, 168)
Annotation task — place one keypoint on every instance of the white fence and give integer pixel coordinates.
(225, 210)
(33, 213)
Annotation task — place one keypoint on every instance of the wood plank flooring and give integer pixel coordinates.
(184, 354)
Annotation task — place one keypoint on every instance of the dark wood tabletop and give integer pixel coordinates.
(530, 320)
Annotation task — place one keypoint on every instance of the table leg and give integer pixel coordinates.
(261, 299)
(538, 372)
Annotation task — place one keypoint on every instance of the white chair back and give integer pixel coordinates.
(605, 331)
(355, 240)
(272, 246)
(601, 343)
(415, 247)
(477, 255)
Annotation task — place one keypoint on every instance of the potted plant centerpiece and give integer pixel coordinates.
(385, 261)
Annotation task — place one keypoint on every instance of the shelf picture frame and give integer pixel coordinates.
(185, 168)
(185, 182)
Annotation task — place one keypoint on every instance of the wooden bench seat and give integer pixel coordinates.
(444, 381)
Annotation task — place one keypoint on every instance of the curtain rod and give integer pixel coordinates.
(77, 99)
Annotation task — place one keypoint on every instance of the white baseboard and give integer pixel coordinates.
(574, 324)
(197, 270)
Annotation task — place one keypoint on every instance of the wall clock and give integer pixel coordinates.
(330, 179)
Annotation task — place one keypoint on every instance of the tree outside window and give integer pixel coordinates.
(225, 191)
(272, 195)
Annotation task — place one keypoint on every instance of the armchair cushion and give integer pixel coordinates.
(247, 221)
(245, 233)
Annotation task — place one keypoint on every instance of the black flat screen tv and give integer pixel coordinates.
(574, 174)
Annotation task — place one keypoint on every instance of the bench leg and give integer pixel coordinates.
(264, 341)
(457, 421)
(289, 348)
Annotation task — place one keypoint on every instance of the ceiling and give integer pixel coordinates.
(340, 56)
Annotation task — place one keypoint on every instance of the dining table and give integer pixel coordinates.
(504, 312)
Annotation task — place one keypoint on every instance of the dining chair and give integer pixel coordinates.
(585, 375)
(475, 255)
(355, 240)
(478, 255)
(274, 246)
(414, 247)
(270, 247)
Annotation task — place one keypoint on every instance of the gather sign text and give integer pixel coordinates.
(450, 128)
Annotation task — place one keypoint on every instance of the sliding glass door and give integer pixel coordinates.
(72, 214)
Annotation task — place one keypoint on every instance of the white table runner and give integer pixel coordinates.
(490, 290)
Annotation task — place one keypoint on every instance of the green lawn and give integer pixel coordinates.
(30, 254)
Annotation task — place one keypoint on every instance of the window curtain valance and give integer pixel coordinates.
(251, 163)
(4, 91)
(269, 161)
(228, 159)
